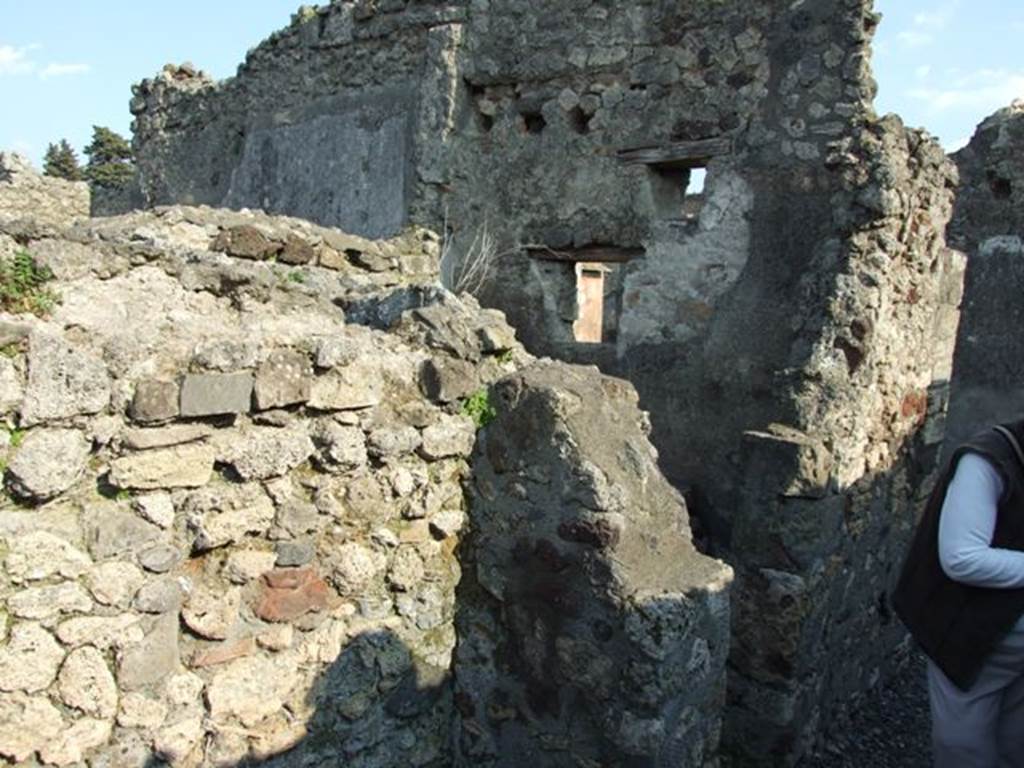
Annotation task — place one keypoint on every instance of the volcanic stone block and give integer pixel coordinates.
(216, 394)
(284, 379)
(446, 380)
(154, 658)
(155, 400)
(297, 250)
(115, 533)
(246, 242)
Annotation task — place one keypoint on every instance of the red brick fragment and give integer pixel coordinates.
(289, 593)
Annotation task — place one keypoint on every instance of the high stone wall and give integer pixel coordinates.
(794, 324)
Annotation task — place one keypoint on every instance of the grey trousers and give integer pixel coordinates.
(982, 727)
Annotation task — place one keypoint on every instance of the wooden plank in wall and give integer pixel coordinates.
(681, 154)
(606, 254)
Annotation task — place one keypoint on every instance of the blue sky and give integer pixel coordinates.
(68, 64)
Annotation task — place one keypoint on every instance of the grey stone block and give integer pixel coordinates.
(445, 380)
(295, 553)
(216, 394)
(152, 660)
(155, 400)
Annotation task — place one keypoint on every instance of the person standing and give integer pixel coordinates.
(961, 595)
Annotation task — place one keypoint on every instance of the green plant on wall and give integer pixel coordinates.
(22, 285)
(479, 408)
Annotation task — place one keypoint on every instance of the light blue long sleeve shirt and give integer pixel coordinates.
(966, 526)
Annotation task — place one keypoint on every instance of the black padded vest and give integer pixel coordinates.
(958, 625)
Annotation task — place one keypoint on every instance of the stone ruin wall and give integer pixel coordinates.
(590, 629)
(36, 200)
(791, 332)
(234, 528)
(988, 225)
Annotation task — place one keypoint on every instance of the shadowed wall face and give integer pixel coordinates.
(988, 225)
(591, 630)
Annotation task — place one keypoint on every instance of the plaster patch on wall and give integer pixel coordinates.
(671, 294)
(342, 170)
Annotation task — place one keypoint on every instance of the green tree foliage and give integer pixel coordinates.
(62, 162)
(111, 162)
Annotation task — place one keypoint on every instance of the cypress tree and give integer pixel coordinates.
(111, 161)
(62, 162)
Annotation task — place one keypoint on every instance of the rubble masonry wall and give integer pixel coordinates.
(790, 330)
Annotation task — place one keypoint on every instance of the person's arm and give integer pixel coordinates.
(966, 526)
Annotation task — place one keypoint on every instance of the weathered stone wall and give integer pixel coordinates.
(48, 202)
(333, 118)
(825, 503)
(790, 331)
(988, 225)
(592, 632)
(231, 518)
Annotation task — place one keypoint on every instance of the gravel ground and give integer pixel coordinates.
(890, 729)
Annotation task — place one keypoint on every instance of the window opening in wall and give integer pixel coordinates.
(693, 195)
(482, 108)
(590, 281)
(678, 173)
(678, 193)
(1001, 188)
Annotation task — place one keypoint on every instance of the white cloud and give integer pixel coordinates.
(60, 70)
(927, 24)
(18, 61)
(937, 19)
(914, 38)
(923, 71)
(15, 61)
(985, 90)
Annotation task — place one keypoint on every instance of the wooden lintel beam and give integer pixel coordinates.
(605, 254)
(681, 154)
